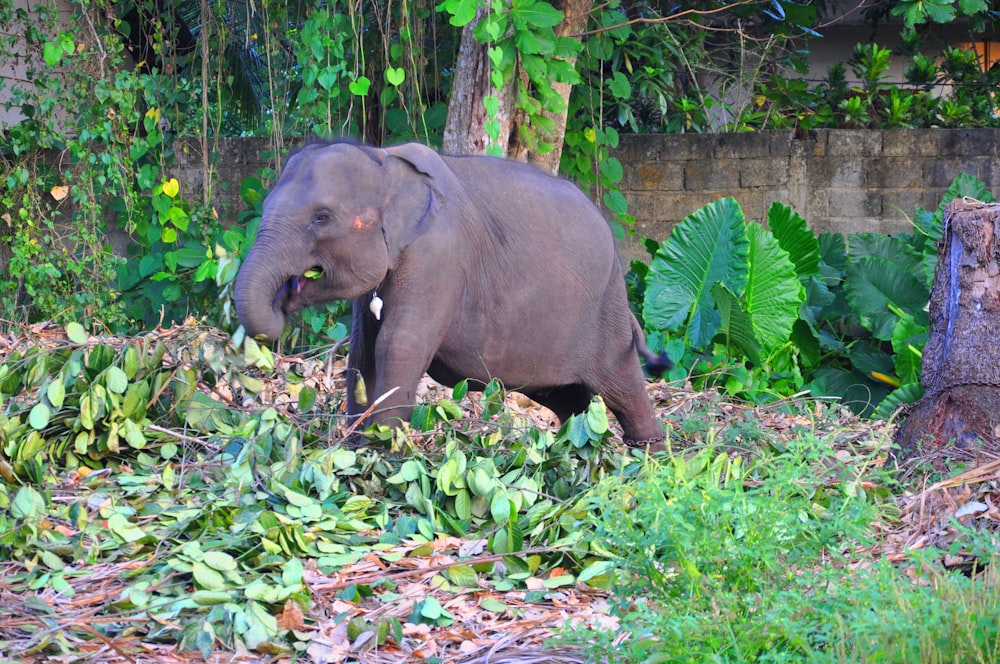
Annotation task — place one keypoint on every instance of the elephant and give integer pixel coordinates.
(462, 267)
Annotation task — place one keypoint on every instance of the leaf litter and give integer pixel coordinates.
(444, 598)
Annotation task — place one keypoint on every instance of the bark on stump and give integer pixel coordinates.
(959, 415)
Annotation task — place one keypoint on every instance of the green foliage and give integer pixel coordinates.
(730, 288)
(922, 102)
(130, 419)
(722, 558)
(767, 314)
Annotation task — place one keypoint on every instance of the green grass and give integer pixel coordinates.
(759, 561)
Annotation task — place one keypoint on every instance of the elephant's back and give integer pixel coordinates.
(535, 211)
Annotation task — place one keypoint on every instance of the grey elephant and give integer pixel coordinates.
(460, 267)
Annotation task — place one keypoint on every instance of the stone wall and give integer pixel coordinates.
(839, 180)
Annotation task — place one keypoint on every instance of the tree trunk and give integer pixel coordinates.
(465, 131)
(465, 127)
(576, 13)
(959, 415)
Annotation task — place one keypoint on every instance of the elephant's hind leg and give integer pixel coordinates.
(625, 394)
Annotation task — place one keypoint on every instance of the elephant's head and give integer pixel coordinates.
(332, 228)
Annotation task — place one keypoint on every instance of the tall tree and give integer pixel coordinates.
(513, 78)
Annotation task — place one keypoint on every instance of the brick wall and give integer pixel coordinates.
(840, 180)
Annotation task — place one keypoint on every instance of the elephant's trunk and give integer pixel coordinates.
(258, 287)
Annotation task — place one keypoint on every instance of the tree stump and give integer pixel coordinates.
(959, 415)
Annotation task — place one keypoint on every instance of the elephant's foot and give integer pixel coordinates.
(650, 445)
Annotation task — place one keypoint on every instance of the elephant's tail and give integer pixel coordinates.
(656, 365)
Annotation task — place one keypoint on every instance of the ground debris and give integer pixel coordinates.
(490, 624)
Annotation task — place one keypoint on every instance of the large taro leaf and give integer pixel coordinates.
(901, 396)
(896, 249)
(877, 289)
(736, 325)
(708, 247)
(794, 236)
(852, 388)
(774, 292)
(932, 224)
(908, 337)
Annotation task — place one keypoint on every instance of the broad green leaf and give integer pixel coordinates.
(116, 380)
(210, 597)
(708, 247)
(903, 395)
(559, 581)
(502, 508)
(492, 605)
(27, 504)
(463, 575)
(853, 389)
(972, 7)
(612, 169)
(535, 13)
(123, 528)
(616, 202)
(619, 86)
(328, 77)
(291, 573)
(479, 481)
(395, 75)
(56, 392)
(219, 560)
(207, 578)
(52, 53)
(171, 187)
(773, 292)
(907, 337)
(794, 236)
(599, 568)
(257, 355)
(134, 436)
(462, 11)
(894, 249)
(876, 286)
(597, 416)
(736, 325)
(307, 399)
(294, 497)
(344, 458)
(39, 416)
(463, 504)
(360, 86)
(76, 333)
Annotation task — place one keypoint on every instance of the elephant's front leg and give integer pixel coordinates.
(360, 378)
(404, 349)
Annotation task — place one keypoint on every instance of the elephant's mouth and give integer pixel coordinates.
(289, 296)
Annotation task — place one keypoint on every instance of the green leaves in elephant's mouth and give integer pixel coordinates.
(292, 288)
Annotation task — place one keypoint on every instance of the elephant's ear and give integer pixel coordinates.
(414, 198)
(420, 157)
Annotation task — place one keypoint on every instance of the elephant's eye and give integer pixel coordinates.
(321, 217)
